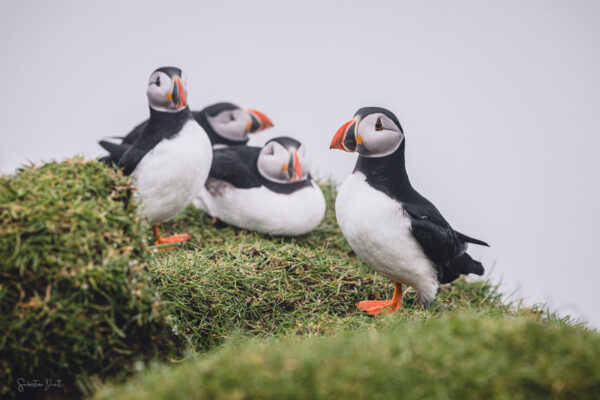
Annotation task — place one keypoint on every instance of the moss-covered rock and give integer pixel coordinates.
(76, 300)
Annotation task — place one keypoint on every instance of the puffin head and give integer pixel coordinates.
(166, 90)
(373, 132)
(281, 160)
(234, 123)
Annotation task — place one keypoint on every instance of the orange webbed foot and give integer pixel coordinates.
(167, 240)
(376, 307)
(172, 239)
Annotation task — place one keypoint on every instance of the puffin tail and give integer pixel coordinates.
(107, 160)
(467, 239)
(115, 151)
(461, 265)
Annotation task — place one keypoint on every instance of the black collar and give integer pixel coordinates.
(388, 175)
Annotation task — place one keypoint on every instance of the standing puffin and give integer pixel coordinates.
(171, 158)
(267, 190)
(392, 228)
(225, 124)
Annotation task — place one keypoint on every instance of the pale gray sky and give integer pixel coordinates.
(500, 103)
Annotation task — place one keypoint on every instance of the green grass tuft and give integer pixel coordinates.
(75, 297)
(229, 281)
(459, 356)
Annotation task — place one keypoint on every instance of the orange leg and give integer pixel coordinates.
(376, 307)
(167, 240)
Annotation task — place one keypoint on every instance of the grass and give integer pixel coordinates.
(459, 356)
(260, 317)
(76, 300)
(230, 281)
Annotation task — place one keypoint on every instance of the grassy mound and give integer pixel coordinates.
(460, 356)
(75, 301)
(81, 300)
(233, 281)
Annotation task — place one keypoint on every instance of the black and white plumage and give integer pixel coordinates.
(266, 189)
(170, 159)
(226, 124)
(229, 125)
(393, 228)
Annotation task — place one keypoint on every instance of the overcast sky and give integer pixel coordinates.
(500, 103)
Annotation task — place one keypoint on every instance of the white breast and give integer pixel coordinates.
(262, 210)
(169, 176)
(378, 230)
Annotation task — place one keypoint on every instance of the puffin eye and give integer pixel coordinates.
(157, 81)
(232, 117)
(378, 125)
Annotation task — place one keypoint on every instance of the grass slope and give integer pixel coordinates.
(230, 281)
(295, 299)
(459, 356)
(261, 317)
(75, 298)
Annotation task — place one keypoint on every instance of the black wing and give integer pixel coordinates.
(437, 238)
(442, 244)
(115, 152)
(135, 133)
(134, 153)
(236, 165)
(160, 125)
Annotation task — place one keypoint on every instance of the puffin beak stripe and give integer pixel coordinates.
(182, 100)
(344, 137)
(297, 167)
(259, 121)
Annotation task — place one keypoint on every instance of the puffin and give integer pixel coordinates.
(229, 125)
(171, 158)
(226, 124)
(263, 189)
(389, 225)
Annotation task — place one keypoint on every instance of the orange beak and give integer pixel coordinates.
(344, 137)
(297, 175)
(259, 121)
(177, 94)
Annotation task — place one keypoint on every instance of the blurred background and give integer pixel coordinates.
(500, 104)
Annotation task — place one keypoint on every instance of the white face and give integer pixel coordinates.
(278, 164)
(160, 92)
(379, 135)
(232, 124)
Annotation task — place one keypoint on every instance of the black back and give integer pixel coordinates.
(441, 244)
(237, 165)
(135, 133)
(201, 118)
(160, 126)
